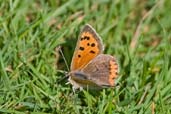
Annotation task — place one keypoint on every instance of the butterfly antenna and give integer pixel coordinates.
(58, 49)
(63, 78)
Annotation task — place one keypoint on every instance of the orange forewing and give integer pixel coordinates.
(88, 47)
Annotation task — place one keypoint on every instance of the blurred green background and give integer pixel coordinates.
(136, 32)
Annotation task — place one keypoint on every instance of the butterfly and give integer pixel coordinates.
(90, 67)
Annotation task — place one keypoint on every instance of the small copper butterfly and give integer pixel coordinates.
(90, 67)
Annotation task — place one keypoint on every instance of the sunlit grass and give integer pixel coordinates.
(137, 33)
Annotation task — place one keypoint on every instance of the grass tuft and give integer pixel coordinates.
(137, 33)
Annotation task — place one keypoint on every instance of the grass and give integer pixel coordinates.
(136, 32)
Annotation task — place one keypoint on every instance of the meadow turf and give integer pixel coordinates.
(136, 32)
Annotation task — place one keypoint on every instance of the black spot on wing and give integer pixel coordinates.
(86, 38)
(82, 38)
(93, 44)
(93, 52)
(81, 48)
(79, 56)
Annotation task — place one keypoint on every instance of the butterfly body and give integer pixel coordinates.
(89, 67)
